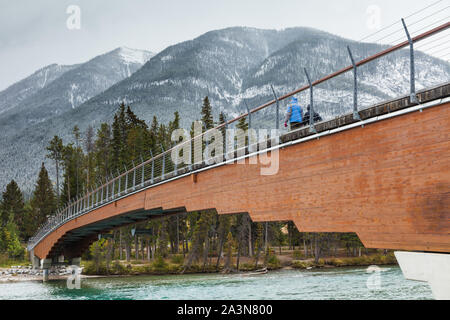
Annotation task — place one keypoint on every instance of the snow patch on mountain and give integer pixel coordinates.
(129, 55)
(233, 42)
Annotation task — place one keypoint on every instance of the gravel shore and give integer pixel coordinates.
(27, 273)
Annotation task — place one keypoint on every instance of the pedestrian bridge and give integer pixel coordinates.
(385, 177)
(382, 172)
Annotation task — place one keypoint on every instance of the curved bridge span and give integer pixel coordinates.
(386, 177)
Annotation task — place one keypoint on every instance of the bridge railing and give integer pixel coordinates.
(160, 167)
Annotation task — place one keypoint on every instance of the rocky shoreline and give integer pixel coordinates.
(27, 273)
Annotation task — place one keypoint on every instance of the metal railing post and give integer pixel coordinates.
(120, 180)
(153, 168)
(250, 147)
(175, 165)
(126, 179)
(76, 205)
(413, 97)
(107, 189)
(143, 172)
(134, 175)
(225, 144)
(101, 200)
(206, 145)
(113, 193)
(277, 112)
(111, 183)
(190, 155)
(355, 86)
(163, 163)
(312, 128)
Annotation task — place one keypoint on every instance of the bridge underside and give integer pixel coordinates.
(388, 181)
(76, 241)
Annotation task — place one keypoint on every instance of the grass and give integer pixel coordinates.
(377, 259)
(5, 262)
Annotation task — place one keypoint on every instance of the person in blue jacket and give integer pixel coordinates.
(294, 114)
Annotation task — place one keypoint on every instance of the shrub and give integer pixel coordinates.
(141, 270)
(336, 262)
(92, 268)
(296, 264)
(297, 255)
(273, 262)
(9, 243)
(118, 268)
(4, 260)
(177, 259)
(159, 264)
(175, 268)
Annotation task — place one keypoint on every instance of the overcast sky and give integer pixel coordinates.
(34, 34)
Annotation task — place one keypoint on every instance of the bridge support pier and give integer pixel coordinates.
(45, 266)
(433, 268)
(35, 262)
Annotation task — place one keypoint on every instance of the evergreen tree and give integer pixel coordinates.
(12, 204)
(222, 120)
(55, 149)
(77, 137)
(207, 117)
(103, 151)
(154, 135)
(30, 226)
(242, 124)
(9, 241)
(43, 202)
(89, 147)
(72, 158)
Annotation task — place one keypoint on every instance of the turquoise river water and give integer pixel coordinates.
(330, 284)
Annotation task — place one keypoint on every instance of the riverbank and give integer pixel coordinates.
(275, 262)
(175, 266)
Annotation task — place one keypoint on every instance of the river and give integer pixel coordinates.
(329, 284)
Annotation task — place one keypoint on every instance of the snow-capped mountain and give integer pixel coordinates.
(74, 85)
(234, 64)
(228, 65)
